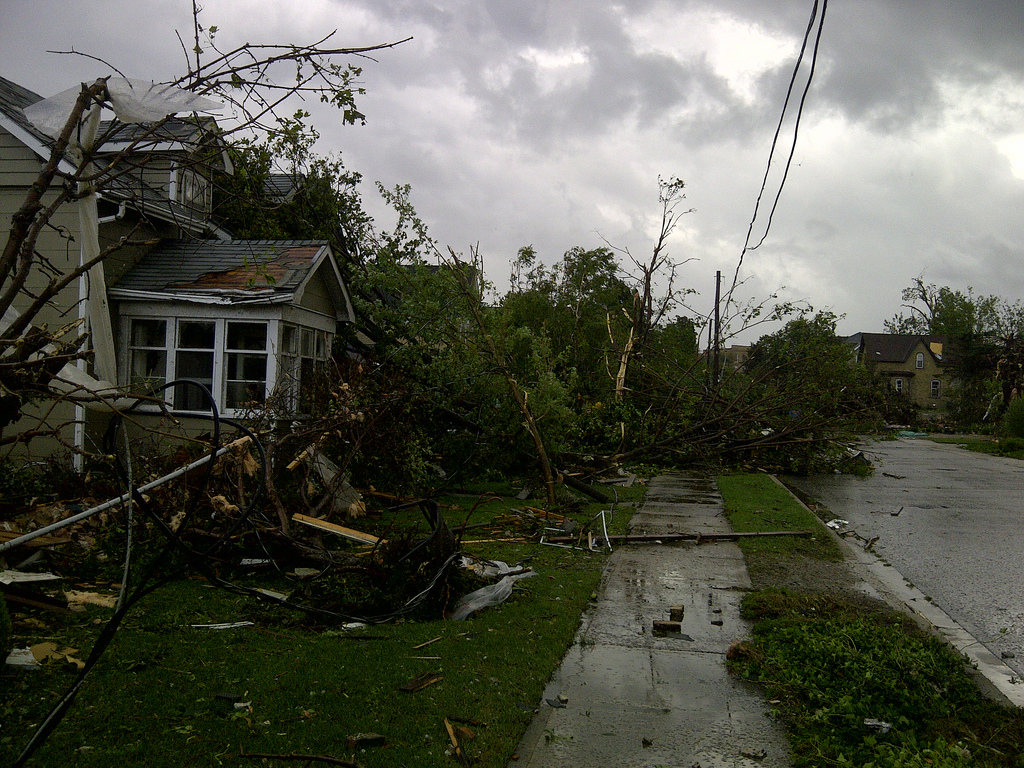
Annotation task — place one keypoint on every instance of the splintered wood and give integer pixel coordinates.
(340, 530)
(421, 682)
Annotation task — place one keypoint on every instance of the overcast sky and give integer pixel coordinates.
(522, 122)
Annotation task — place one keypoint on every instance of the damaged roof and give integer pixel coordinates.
(124, 187)
(893, 348)
(233, 271)
(13, 100)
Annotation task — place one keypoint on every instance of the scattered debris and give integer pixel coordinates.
(457, 750)
(424, 645)
(626, 481)
(33, 599)
(694, 537)
(292, 756)
(348, 533)
(645, 742)
(468, 721)
(760, 754)
(21, 577)
(273, 595)
(667, 626)
(897, 512)
(492, 594)
(578, 485)
(34, 655)
(421, 682)
(364, 740)
(837, 524)
(675, 613)
(555, 703)
(224, 625)
(894, 477)
(879, 726)
(79, 599)
(22, 658)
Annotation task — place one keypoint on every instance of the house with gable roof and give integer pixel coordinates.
(243, 318)
(912, 364)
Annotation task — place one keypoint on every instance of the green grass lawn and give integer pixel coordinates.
(153, 699)
(757, 503)
(832, 661)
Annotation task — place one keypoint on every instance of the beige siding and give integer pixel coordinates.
(317, 297)
(19, 165)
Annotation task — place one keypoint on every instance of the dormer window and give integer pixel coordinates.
(920, 360)
(192, 189)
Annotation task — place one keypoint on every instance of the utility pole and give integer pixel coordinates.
(716, 360)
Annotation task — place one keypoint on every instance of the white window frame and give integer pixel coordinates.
(920, 360)
(897, 384)
(936, 388)
(282, 366)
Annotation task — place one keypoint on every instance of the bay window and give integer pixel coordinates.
(241, 361)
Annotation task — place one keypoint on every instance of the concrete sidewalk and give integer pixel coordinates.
(634, 699)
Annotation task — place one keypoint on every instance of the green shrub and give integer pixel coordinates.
(1009, 445)
(1013, 419)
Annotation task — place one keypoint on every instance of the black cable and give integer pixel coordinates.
(107, 634)
(775, 139)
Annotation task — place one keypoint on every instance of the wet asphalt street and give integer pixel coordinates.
(959, 537)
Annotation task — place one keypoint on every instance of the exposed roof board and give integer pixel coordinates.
(230, 271)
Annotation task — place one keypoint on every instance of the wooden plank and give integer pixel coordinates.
(421, 682)
(21, 577)
(340, 530)
(40, 541)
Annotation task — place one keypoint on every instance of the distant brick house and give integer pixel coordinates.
(913, 365)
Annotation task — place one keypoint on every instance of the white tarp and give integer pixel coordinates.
(133, 101)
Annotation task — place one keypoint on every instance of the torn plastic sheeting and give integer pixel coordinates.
(485, 597)
(489, 568)
(838, 524)
(133, 101)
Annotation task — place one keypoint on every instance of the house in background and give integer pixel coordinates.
(912, 365)
(186, 301)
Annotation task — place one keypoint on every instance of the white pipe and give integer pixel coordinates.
(122, 498)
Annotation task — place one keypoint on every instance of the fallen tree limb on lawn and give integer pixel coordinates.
(697, 537)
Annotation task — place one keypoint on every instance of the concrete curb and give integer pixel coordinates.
(995, 678)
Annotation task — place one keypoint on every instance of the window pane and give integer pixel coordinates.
(149, 369)
(149, 333)
(196, 335)
(147, 354)
(307, 342)
(239, 393)
(247, 336)
(197, 366)
(289, 340)
(247, 367)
